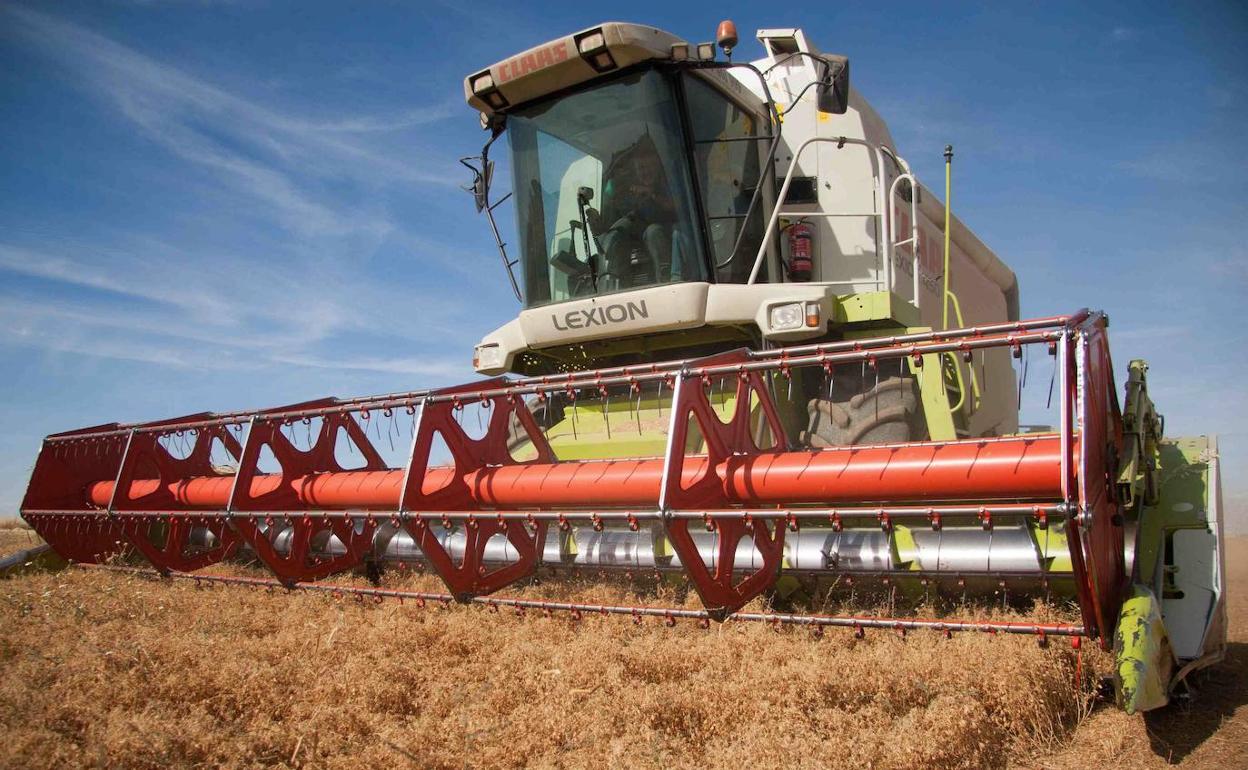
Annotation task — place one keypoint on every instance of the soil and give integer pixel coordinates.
(1208, 730)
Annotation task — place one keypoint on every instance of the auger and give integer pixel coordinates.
(732, 263)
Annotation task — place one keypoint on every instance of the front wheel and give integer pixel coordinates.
(862, 411)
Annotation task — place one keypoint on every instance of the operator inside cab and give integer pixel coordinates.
(641, 238)
(605, 199)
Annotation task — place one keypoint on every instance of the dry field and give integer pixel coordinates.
(16, 536)
(1210, 731)
(102, 669)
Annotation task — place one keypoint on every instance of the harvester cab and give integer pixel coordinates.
(753, 350)
(669, 205)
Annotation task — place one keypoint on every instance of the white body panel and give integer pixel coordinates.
(850, 250)
(852, 253)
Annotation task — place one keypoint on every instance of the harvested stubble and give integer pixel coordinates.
(16, 536)
(108, 670)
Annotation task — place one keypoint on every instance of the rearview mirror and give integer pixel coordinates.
(481, 186)
(832, 94)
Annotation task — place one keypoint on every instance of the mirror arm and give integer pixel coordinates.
(481, 182)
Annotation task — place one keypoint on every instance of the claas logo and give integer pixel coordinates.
(533, 61)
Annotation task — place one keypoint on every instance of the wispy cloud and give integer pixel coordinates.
(370, 124)
(440, 368)
(143, 336)
(1178, 162)
(1157, 334)
(155, 310)
(1234, 268)
(1122, 34)
(294, 295)
(40, 264)
(256, 150)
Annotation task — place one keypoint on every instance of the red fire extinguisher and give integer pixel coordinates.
(801, 251)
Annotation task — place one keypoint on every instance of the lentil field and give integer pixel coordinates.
(101, 669)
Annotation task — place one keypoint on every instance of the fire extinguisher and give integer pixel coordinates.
(801, 251)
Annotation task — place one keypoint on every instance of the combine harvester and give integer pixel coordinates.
(743, 355)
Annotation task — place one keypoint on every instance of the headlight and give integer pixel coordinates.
(591, 42)
(592, 47)
(487, 357)
(482, 82)
(786, 317)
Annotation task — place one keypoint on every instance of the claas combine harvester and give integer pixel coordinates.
(753, 349)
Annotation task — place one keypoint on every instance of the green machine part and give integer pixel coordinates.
(1173, 621)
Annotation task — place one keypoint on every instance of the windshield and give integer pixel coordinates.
(603, 195)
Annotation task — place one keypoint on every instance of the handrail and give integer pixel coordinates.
(957, 313)
(913, 240)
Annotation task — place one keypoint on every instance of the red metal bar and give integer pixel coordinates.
(1100, 521)
(298, 562)
(165, 541)
(951, 340)
(719, 594)
(470, 576)
(80, 537)
(1026, 468)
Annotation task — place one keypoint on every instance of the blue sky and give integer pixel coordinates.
(213, 205)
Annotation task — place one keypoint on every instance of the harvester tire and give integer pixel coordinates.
(882, 413)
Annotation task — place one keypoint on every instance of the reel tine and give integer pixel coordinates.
(1048, 404)
(637, 411)
(606, 417)
(1022, 382)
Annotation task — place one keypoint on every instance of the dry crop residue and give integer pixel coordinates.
(101, 669)
(15, 536)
